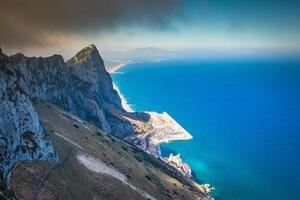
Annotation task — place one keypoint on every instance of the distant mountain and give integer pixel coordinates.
(136, 55)
(148, 50)
(156, 54)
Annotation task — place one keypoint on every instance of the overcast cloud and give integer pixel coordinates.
(43, 22)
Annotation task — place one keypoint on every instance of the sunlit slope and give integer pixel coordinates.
(95, 165)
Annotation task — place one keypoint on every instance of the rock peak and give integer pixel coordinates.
(89, 48)
(89, 52)
(2, 55)
(92, 46)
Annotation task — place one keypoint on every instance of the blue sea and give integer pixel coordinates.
(244, 115)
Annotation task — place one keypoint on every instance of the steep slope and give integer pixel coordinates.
(83, 88)
(95, 165)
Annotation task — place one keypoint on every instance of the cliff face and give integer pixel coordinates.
(80, 86)
(21, 134)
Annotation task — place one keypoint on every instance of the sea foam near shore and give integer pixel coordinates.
(124, 102)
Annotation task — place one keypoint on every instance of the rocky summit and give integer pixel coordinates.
(83, 91)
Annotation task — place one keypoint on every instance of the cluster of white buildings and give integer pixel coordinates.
(176, 161)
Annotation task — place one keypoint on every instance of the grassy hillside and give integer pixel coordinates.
(70, 179)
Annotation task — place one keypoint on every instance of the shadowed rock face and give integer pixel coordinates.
(81, 86)
(77, 87)
(21, 134)
(89, 67)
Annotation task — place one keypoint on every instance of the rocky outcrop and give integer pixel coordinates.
(51, 79)
(81, 86)
(21, 134)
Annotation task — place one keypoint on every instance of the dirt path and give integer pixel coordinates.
(47, 172)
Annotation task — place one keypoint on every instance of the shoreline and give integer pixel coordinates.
(128, 108)
(156, 141)
(124, 102)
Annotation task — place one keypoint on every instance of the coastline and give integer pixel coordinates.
(124, 102)
(160, 119)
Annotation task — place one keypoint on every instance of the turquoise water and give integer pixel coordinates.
(244, 117)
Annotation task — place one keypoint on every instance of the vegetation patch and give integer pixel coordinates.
(76, 126)
(98, 133)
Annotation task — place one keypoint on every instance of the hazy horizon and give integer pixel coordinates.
(59, 27)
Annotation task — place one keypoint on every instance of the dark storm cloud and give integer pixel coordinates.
(34, 22)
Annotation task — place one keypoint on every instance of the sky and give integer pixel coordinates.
(65, 26)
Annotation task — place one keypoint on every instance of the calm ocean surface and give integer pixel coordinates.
(244, 117)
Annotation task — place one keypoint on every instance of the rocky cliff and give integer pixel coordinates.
(21, 134)
(80, 86)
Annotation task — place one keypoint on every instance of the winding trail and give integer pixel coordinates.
(46, 174)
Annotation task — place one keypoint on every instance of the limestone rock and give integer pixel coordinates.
(21, 134)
